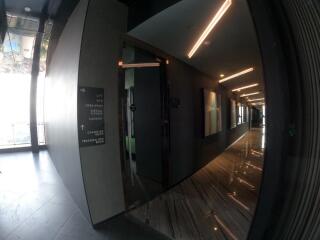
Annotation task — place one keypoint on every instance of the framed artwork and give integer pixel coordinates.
(240, 114)
(212, 112)
(233, 112)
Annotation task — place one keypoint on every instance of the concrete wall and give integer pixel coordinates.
(101, 51)
(61, 107)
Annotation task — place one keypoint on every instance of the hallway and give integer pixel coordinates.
(217, 202)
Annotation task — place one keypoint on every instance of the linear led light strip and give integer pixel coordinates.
(249, 94)
(259, 103)
(257, 152)
(211, 25)
(245, 87)
(138, 65)
(256, 99)
(236, 75)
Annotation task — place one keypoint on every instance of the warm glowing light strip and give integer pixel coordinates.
(245, 87)
(245, 182)
(257, 152)
(211, 25)
(254, 167)
(253, 100)
(258, 103)
(239, 202)
(249, 94)
(236, 75)
(138, 65)
(225, 228)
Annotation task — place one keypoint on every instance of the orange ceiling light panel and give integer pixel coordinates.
(236, 75)
(223, 9)
(139, 65)
(249, 94)
(245, 87)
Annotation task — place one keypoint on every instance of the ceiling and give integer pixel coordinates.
(231, 46)
(140, 10)
(38, 7)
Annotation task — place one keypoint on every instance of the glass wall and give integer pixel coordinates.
(15, 77)
(16, 59)
(41, 123)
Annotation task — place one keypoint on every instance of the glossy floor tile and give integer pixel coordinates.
(34, 205)
(217, 202)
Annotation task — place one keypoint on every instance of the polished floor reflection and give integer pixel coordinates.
(34, 205)
(217, 202)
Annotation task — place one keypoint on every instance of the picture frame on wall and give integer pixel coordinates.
(240, 113)
(212, 112)
(233, 111)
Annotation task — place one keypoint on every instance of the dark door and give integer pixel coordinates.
(148, 123)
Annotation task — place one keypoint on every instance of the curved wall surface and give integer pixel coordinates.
(86, 55)
(100, 52)
(61, 107)
(289, 200)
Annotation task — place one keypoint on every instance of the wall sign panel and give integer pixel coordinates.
(91, 130)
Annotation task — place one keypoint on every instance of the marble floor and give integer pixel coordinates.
(217, 202)
(34, 205)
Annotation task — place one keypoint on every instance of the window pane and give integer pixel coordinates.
(41, 85)
(15, 77)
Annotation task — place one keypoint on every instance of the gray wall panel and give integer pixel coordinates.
(101, 51)
(61, 106)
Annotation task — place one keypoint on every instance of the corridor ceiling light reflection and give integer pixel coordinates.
(236, 75)
(249, 94)
(225, 6)
(257, 99)
(245, 87)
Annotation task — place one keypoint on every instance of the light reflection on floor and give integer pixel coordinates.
(217, 202)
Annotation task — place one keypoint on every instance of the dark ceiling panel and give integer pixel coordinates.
(18, 6)
(141, 10)
(38, 7)
(232, 46)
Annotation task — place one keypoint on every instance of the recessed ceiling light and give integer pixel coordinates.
(27, 9)
(236, 74)
(249, 94)
(225, 6)
(245, 87)
(221, 75)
